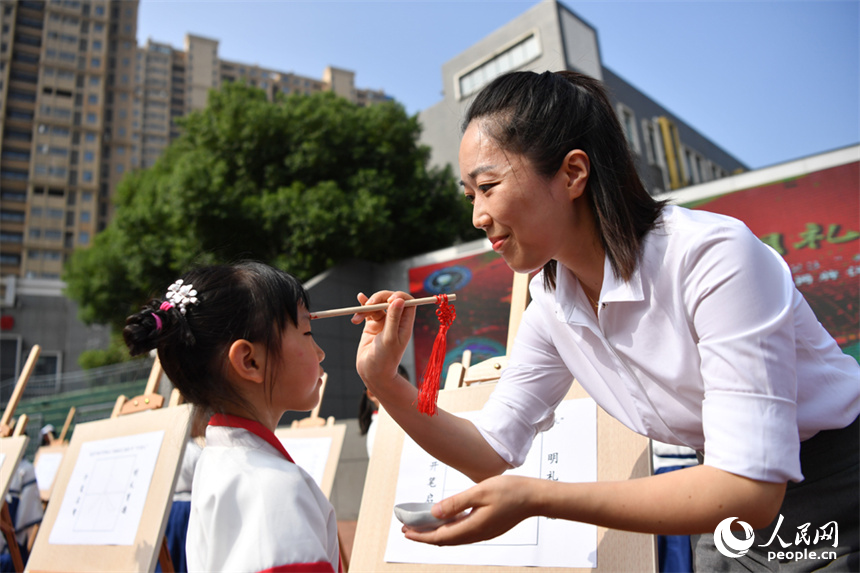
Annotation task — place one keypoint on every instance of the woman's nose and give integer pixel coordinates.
(480, 218)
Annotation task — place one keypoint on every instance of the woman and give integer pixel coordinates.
(681, 324)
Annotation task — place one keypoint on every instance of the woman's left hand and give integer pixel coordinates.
(497, 504)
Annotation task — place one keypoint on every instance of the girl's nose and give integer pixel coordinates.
(320, 353)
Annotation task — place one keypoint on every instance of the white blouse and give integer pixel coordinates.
(709, 345)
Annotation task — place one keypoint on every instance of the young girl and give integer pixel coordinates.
(679, 323)
(236, 341)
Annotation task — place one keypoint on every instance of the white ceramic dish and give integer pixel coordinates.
(418, 516)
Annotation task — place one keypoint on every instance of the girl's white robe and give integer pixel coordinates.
(253, 509)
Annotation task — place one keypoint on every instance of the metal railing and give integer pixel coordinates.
(51, 384)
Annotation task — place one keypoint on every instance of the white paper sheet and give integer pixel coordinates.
(566, 452)
(103, 503)
(46, 471)
(310, 454)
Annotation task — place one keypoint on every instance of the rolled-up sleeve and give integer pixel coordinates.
(744, 322)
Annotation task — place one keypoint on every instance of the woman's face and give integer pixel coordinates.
(528, 218)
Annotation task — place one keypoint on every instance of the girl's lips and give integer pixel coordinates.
(497, 242)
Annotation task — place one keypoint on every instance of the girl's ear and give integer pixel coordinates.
(247, 361)
(575, 169)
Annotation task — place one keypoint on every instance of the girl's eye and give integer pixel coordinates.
(309, 333)
(486, 187)
(470, 198)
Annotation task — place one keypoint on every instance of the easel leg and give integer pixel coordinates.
(11, 542)
(164, 558)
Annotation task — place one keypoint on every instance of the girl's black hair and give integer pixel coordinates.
(545, 116)
(247, 300)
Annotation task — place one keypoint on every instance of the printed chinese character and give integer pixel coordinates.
(433, 465)
(801, 280)
(432, 482)
(775, 536)
(828, 531)
(552, 458)
(429, 498)
(802, 534)
(833, 230)
(812, 237)
(774, 241)
(551, 475)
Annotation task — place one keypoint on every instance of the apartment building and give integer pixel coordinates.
(67, 93)
(81, 104)
(174, 82)
(670, 153)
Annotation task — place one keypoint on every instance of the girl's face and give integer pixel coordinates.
(528, 218)
(298, 371)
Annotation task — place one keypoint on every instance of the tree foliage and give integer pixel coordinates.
(302, 183)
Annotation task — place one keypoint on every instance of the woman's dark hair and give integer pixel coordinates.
(247, 300)
(545, 116)
(366, 406)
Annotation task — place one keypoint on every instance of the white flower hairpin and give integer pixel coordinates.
(181, 295)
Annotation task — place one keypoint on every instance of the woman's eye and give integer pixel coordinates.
(486, 187)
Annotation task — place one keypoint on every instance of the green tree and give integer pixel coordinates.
(301, 183)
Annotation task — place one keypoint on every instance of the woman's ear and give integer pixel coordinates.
(247, 361)
(575, 169)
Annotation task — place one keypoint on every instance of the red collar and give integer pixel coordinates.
(252, 426)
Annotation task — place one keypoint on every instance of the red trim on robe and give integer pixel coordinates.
(318, 567)
(252, 426)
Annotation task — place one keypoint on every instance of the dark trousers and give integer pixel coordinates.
(829, 494)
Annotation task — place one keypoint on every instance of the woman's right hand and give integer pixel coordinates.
(384, 339)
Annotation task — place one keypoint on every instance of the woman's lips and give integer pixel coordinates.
(497, 242)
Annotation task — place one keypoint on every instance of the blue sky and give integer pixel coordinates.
(768, 81)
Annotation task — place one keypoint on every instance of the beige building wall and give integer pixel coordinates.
(67, 97)
(202, 70)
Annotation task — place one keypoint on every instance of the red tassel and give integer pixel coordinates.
(430, 381)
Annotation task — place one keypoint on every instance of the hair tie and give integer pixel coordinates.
(158, 324)
(165, 306)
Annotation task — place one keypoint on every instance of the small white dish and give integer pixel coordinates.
(418, 516)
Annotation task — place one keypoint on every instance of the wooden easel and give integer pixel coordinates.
(141, 555)
(14, 443)
(621, 455)
(52, 455)
(149, 400)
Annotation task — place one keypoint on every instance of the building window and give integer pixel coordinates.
(84, 238)
(628, 124)
(7, 237)
(511, 58)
